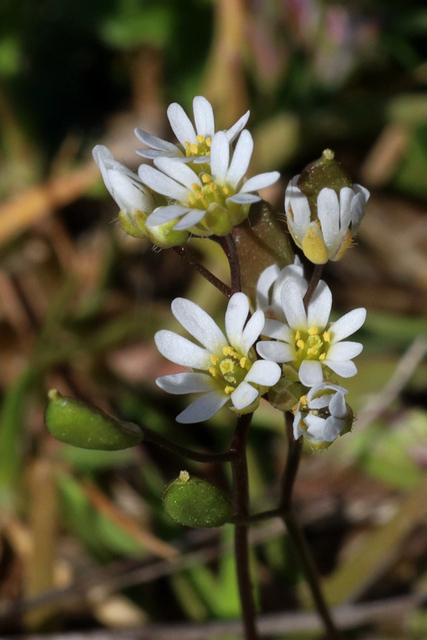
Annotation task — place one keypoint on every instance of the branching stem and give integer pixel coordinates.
(221, 286)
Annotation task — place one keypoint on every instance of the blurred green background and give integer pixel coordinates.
(80, 302)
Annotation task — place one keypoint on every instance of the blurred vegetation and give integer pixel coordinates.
(79, 304)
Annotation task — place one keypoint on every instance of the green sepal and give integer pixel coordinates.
(322, 173)
(85, 426)
(195, 502)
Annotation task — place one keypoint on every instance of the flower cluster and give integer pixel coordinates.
(197, 186)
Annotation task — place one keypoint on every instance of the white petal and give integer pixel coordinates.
(346, 369)
(293, 306)
(190, 220)
(275, 351)
(328, 211)
(298, 432)
(337, 406)
(344, 351)
(234, 131)
(347, 324)
(220, 156)
(187, 382)
(241, 158)
(178, 171)
(253, 330)
(315, 428)
(165, 214)
(244, 198)
(158, 182)
(322, 401)
(156, 143)
(333, 427)
(181, 351)
(235, 318)
(199, 324)
(181, 124)
(244, 395)
(319, 307)
(265, 280)
(260, 181)
(346, 198)
(297, 210)
(310, 373)
(203, 116)
(277, 330)
(264, 373)
(203, 408)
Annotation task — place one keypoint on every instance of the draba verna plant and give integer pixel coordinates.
(276, 341)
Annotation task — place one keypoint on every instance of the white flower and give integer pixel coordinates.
(194, 143)
(322, 415)
(270, 283)
(208, 203)
(307, 341)
(329, 235)
(225, 368)
(124, 185)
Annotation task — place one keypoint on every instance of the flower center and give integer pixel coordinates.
(201, 148)
(209, 193)
(229, 369)
(311, 344)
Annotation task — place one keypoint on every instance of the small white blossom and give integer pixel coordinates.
(122, 183)
(307, 341)
(269, 287)
(207, 203)
(194, 142)
(338, 219)
(225, 368)
(322, 415)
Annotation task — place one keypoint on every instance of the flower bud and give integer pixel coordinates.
(195, 502)
(324, 209)
(82, 425)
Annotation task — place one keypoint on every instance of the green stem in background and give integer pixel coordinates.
(197, 456)
(239, 467)
(203, 271)
(296, 534)
(229, 247)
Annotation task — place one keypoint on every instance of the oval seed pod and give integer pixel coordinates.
(85, 426)
(326, 172)
(195, 502)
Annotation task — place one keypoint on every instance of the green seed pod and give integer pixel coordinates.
(195, 502)
(324, 172)
(82, 425)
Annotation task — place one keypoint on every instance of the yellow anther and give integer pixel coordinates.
(243, 362)
(187, 147)
(303, 399)
(206, 178)
(297, 335)
(196, 187)
(229, 390)
(312, 351)
(194, 148)
(208, 142)
(213, 186)
(300, 344)
(214, 358)
(213, 371)
(327, 336)
(313, 331)
(322, 356)
(225, 191)
(199, 195)
(291, 213)
(229, 351)
(200, 139)
(208, 153)
(191, 199)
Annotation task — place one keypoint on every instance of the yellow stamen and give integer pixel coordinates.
(313, 331)
(327, 336)
(303, 399)
(196, 187)
(200, 139)
(213, 186)
(208, 153)
(214, 358)
(194, 148)
(191, 199)
(322, 356)
(229, 390)
(300, 344)
(225, 191)
(206, 178)
(213, 371)
(229, 351)
(297, 335)
(208, 142)
(243, 362)
(312, 351)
